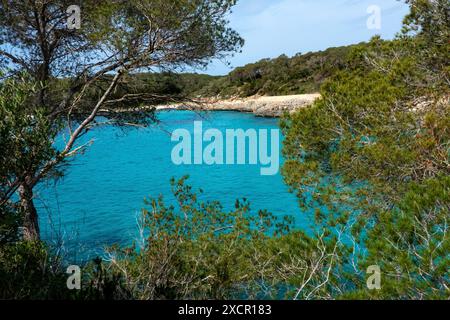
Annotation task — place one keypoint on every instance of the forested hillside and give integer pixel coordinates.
(302, 73)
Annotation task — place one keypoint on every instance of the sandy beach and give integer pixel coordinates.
(264, 106)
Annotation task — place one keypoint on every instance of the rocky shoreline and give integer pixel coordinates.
(262, 106)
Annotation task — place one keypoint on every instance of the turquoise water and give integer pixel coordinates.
(98, 200)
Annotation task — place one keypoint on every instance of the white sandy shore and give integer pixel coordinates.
(264, 106)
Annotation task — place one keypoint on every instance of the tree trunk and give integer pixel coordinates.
(30, 216)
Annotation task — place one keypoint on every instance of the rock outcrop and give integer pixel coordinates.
(263, 106)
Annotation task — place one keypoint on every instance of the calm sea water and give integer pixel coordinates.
(98, 200)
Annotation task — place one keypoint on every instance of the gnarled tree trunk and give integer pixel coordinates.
(30, 216)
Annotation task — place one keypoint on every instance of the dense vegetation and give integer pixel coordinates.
(302, 73)
(153, 88)
(371, 157)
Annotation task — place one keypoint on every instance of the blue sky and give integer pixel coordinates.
(274, 27)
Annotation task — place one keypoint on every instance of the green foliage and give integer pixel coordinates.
(193, 31)
(302, 73)
(411, 243)
(28, 271)
(24, 130)
(372, 156)
(164, 87)
(24, 146)
(198, 251)
(430, 20)
(32, 270)
(10, 221)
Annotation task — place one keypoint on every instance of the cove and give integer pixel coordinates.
(97, 202)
